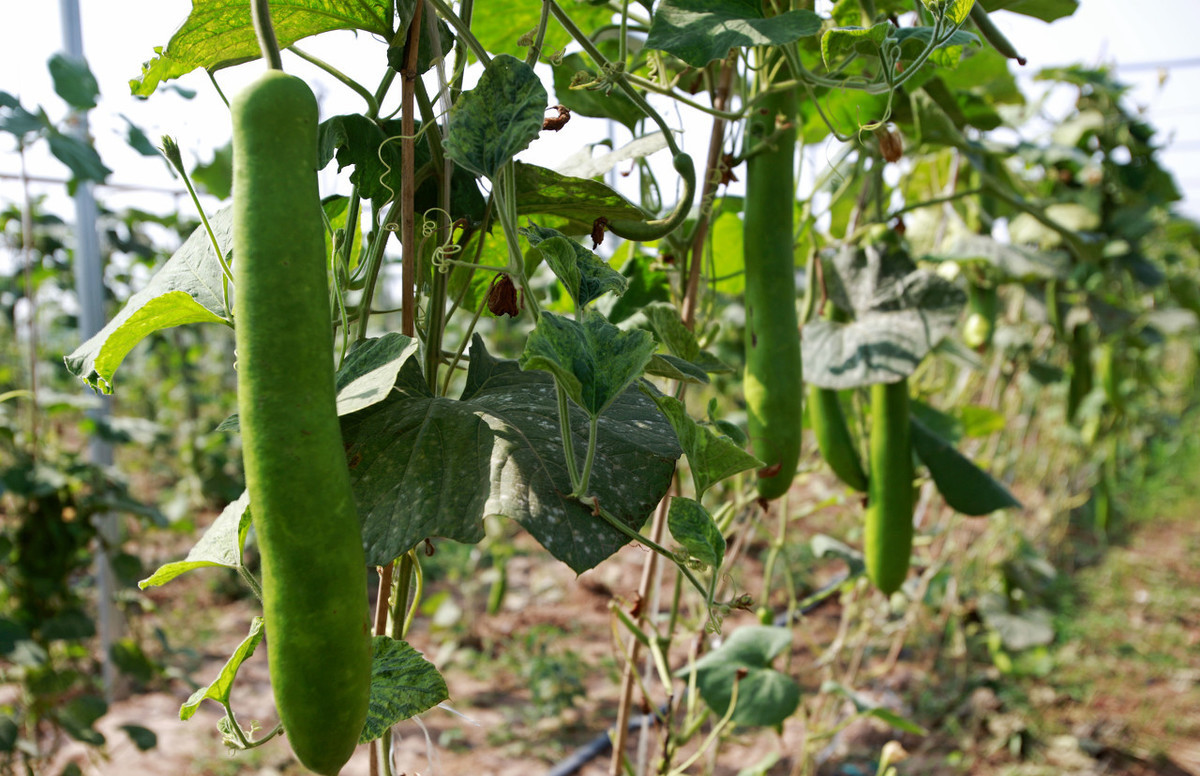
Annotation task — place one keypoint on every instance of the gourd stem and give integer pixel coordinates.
(260, 16)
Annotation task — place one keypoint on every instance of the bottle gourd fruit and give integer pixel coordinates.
(314, 572)
(773, 377)
(888, 533)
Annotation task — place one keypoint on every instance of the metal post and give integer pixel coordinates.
(89, 287)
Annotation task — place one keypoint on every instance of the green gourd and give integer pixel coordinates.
(888, 534)
(773, 379)
(837, 447)
(314, 572)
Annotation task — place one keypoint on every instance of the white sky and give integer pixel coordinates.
(120, 34)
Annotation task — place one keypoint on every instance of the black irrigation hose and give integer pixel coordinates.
(602, 743)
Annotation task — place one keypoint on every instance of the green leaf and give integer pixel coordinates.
(15, 120)
(711, 457)
(645, 284)
(765, 696)
(78, 715)
(1018, 631)
(366, 376)
(699, 31)
(728, 264)
(497, 119)
(221, 545)
(843, 41)
(187, 289)
(578, 200)
(219, 33)
(868, 708)
(403, 684)
(827, 547)
(955, 11)
(143, 738)
(694, 528)
(499, 24)
(220, 687)
(596, 103)
(670, 330)
(575, 265)
(370, 369)
(900, 312)
(593, 361)
(966, 487)
(79, 157)
(73, 81)
(673, 368)
(137, 139)
(1046, 10)
(216, 177)
(426, 466)
(373, 150)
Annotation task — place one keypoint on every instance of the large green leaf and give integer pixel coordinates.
(900, 314)
(579, 200)
(426, 466)
(593, 361)
(965, 486)
(219, 33)
(219, 689)
(699, 31)
(498, 118)
(765, 696)
(403, 684)
(187, 289)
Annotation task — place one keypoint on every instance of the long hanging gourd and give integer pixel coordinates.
(314, 571)
(888, 533)
(773, 378)
(828, 423)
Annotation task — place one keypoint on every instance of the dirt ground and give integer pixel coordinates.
(538, 680)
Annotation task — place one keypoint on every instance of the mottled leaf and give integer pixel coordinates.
(711, 457)
(497, 119)
(900, 314)
(699, 31)
(576, 266)
(403, 684)
(579, 200)
(593, 361)
(431, 466)
(694, 528)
